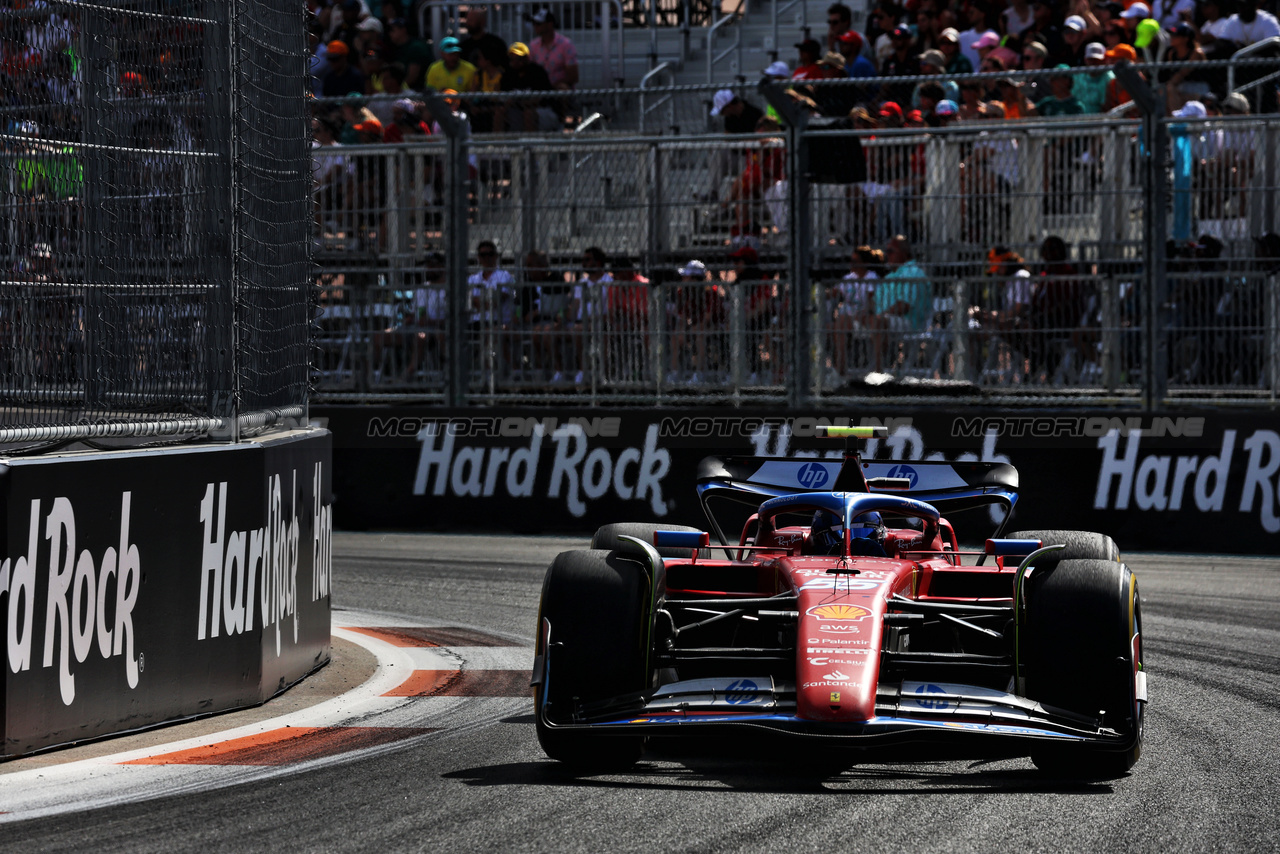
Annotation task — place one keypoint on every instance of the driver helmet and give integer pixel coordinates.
(868, 526)
(826, 532)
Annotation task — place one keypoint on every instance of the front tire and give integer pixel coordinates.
(1083, 648)
(597, 603)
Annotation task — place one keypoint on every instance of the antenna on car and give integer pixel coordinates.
(851, 478)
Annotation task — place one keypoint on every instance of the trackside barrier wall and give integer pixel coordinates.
(146, 586)
(1186, 480)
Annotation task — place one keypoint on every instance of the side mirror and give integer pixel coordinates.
(681, 539)
(1006, 548)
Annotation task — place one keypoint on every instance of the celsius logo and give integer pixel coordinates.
(905, 471)
(741, 692)
(925, 701)
(812, 475)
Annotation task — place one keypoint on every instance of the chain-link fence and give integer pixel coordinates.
(986, 259)
(154, 205)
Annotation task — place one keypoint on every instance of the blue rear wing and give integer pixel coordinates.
(948, 486)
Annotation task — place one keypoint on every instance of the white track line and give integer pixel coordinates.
(104, 781)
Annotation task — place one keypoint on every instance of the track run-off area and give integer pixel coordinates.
(419, 736)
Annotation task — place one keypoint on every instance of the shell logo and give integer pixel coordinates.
(838, 612)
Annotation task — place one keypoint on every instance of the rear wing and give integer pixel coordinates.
(948, 486)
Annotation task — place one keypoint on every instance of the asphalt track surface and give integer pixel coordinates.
(469, 776)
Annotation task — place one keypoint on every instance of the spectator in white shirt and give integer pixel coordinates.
(1250, 25)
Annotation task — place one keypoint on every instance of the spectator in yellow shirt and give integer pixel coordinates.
(451, 71)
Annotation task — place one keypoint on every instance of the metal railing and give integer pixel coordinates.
(733, 52)
(965, 198)
(667, 99)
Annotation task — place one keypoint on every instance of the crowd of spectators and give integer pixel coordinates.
(358, 52)
(1071, 43)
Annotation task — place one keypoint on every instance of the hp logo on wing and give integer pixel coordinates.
(812, 475)
(923, 699)
(742, 692)
(905, 471)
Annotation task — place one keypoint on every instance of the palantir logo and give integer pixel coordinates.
(924, 700)
(812, 475)
(905, 471)
(742, 692)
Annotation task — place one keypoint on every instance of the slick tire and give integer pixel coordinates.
(597, 603)
(1080, 545)
(609, 537)
(1082, 647)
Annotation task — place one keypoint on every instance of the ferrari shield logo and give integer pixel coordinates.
(835, 696)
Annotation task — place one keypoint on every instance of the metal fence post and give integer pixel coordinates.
(804, 342)
(1155, 340)
(456, 183)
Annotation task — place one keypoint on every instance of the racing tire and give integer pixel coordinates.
(1080, 545)
(609, 538)
(597, 603)
(1082, 651)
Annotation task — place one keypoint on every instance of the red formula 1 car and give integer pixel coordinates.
(849, 618)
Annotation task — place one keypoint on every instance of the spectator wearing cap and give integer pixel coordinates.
(834, 101)
(882, 21)
(739, 116)
(695, 311)
(554, 51)
(1117, 94)
(1188, 82)
(839, 21)
(479, 39)
(983, 46)
(524, 113)
(1033, 57)
(807, 67)
(405, 122)
(1090, 88)
(949, 45)
(944, 114)
(1074, 39)
(933, 63)
(413, 54)
(451, 71)
(1185, 158)
(855, 64)
(1061, 101)
(1016, 103)
(903, 62)
(342, 78)
(1131, 17)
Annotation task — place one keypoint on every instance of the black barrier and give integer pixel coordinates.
(1192, 481)
(147, 586)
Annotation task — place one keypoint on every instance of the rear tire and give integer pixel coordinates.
(609, 537)
(598, 605)
(1079, 648)
(1080, 545)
